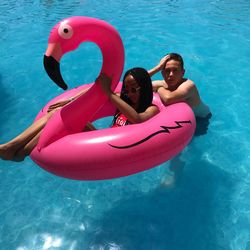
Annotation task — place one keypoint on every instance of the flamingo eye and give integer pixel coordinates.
(65, 31)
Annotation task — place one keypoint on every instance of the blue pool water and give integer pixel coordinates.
(209, 206)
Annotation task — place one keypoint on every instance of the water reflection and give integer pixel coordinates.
(174, 173)
(5, 101)
(183, 218)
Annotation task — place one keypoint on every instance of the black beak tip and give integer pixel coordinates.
(52, 67)
(64, 87)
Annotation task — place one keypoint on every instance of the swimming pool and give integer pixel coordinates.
(209, 206)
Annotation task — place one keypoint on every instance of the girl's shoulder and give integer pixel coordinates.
(153, 108)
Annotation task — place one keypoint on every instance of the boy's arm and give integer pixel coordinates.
(159, 66)
(157, 84)
(182, 93)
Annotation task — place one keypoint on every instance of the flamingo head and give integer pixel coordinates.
(68, 34)
(64, 37)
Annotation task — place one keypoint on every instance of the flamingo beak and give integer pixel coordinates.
(52, 67)
(51, 63)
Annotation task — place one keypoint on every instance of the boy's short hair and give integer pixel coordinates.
(176, 57)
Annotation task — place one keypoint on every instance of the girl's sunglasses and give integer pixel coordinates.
(132, 90)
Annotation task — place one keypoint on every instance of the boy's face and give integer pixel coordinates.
(173, 73)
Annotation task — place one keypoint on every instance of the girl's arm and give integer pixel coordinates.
(64, 102)
(130, 112)
(123, 107)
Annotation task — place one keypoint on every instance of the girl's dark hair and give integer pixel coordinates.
(146, 92)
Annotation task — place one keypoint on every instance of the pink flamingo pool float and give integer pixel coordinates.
(66, 151)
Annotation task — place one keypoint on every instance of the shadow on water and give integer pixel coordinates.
(202, 125)
(187, 217)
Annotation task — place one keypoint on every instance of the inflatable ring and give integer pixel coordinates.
(66, 151)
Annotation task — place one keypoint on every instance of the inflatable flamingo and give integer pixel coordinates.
(66, 151)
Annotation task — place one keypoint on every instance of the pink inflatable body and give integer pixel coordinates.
(66, 151)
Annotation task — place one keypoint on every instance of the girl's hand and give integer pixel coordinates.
(105, 82)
